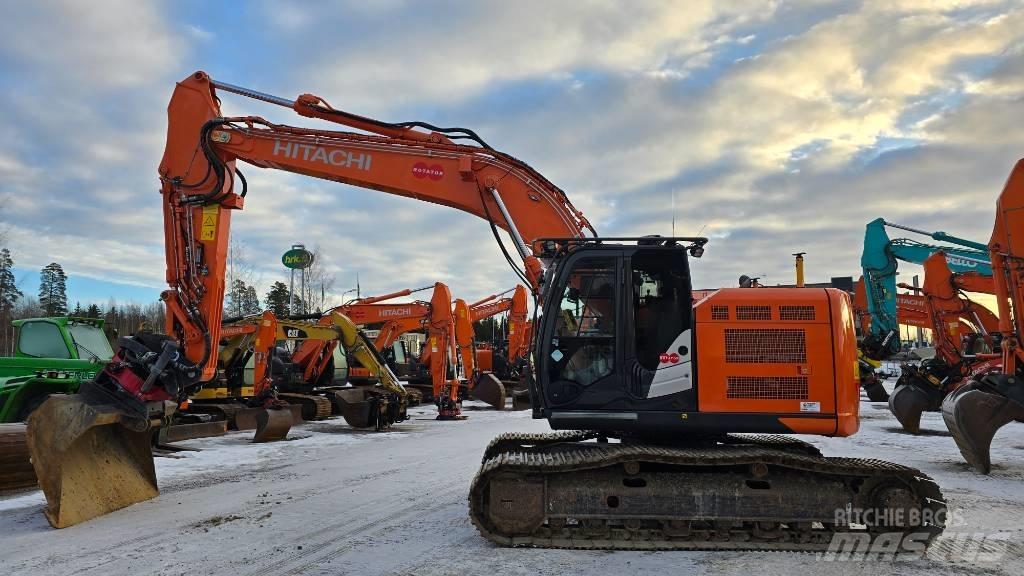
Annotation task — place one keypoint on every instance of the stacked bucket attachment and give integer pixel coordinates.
(735, 492)
(976, 411)
(92, 455)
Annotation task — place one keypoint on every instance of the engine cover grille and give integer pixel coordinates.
(765, 346)
(767, 387)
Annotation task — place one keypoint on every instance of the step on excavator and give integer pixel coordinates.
(672, 417)
(977, 410)
(965, 336)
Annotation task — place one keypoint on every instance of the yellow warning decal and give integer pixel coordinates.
(210, 214)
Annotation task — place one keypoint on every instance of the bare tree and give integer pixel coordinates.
(319, 283)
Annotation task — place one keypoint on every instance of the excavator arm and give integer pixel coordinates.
(201, 187)
(976, 411)
(879, 261)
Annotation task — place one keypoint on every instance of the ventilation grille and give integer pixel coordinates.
(796, 312)
(753, 313)
(765, 346)
(719, 312)
(767, 387)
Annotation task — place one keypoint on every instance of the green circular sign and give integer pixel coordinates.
(297, 258)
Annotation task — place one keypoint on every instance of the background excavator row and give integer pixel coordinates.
(660, 395)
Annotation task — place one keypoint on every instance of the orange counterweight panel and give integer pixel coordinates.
(779, 351)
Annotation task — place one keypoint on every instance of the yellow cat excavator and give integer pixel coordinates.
(674, 413)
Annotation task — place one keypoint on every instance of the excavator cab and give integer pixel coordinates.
(615, 336)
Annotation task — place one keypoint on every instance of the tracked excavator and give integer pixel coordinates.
(977, 410)
(672, 418)
(965, 336)
(880, 339)
(879, 261)
(503, 359)
(516, 306)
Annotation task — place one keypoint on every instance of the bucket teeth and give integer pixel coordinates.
(91, 459)
(973, 414)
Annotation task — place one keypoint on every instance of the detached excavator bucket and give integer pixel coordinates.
(490, 390)
(90, 458)
(907, 402)
(361, 407)
(973, 413)
(272, 424)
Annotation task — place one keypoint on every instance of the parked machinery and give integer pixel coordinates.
(621, 352)
(965, 336)
(977, 410)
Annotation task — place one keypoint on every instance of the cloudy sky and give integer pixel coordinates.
(776, 126)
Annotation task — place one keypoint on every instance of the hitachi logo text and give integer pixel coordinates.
(396, 312)
(331, 156)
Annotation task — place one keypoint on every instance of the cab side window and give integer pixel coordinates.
(661, 304)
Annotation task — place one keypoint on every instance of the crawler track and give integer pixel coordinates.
(743, 492)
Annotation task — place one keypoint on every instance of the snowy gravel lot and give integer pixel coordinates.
(336, 501)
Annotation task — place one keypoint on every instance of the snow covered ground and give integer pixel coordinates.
(336, 501)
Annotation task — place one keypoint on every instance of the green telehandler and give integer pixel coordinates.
(51, 356)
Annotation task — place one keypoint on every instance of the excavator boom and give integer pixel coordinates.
(977, 410)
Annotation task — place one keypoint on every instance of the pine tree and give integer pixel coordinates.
(53, 290)
(93, 311)
(277, 299)
(9, 292)
(251, 302)
(78, 310)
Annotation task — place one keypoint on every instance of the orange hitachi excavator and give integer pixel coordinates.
(518, 325)
(674, 413)
(975, 411)
(965, 336)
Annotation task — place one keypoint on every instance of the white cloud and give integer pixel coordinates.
(768, 124)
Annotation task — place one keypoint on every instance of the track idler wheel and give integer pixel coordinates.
(91, 458)
(489, 389)
(909, 400)
(273, 424)
(976, 411)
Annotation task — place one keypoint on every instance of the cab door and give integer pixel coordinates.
(580, 353)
